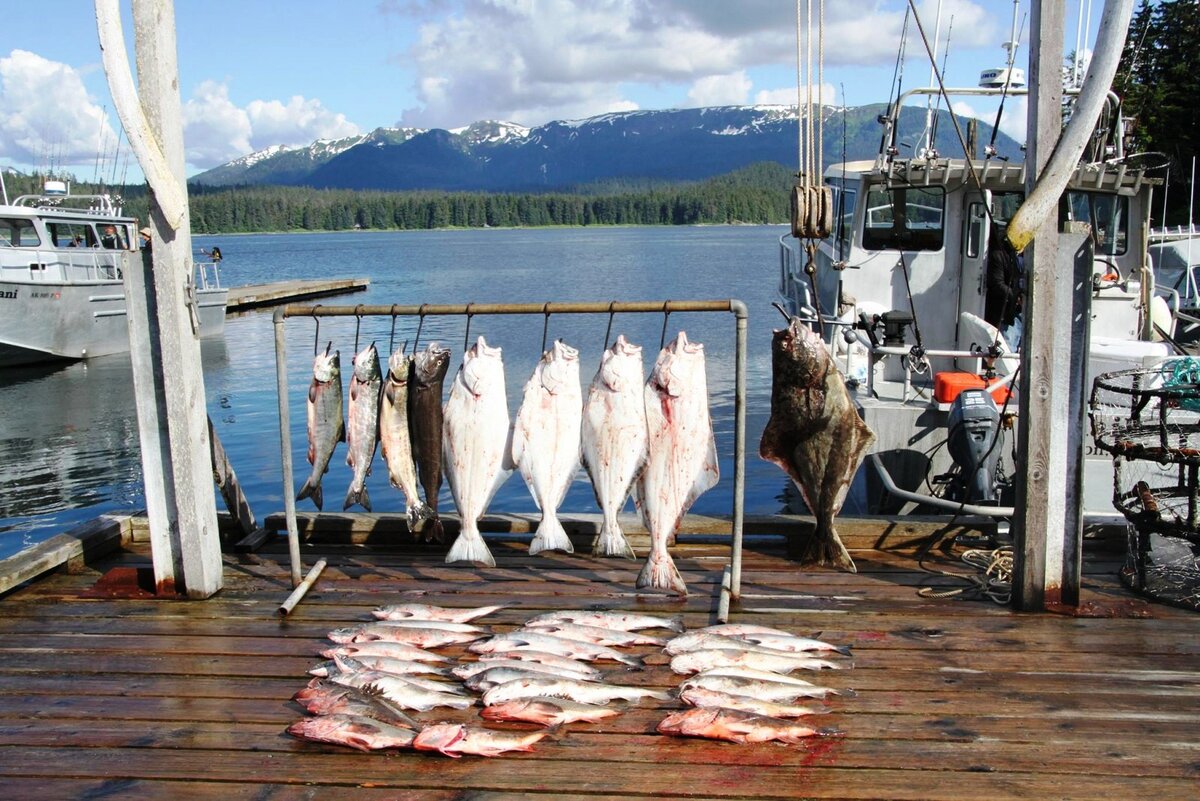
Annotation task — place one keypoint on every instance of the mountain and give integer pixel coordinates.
(660, 146)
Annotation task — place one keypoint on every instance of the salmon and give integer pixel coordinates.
(546, 711)
(735, 725)
(456, 739)
(362, 733)
(326, 422)
(395, 442)
(362, 430)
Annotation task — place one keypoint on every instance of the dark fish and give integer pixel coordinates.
(326, 421)
(425, 384)
(814, 434)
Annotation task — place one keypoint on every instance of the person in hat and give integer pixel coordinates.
(145, 234)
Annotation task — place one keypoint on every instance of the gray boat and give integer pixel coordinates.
(61, 290)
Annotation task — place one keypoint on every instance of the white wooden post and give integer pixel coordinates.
(168, 380)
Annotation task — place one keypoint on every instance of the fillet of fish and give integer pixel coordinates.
(476, 446)
(326, 421)
(394, 439)
(545, 440)
(362, 431)
(613, 446)
(681, 455)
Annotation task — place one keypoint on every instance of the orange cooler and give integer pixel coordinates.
(947, 386)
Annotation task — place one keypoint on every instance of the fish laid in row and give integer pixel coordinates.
(425, 385)
(736, 725)
(547, 711)
(428, 612)
(613, 446)
(395, 440)
(681, 460)
(326, 421)
(624, 621)
(545, 440)
(815, 434)
(456, 739)
(363, 733)
(328, 698)
(362, 425)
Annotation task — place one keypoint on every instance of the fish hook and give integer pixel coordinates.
(317, 335)
(782, 311)
(662, 340)
(420, 322)
(392, 336)
(467, 335)
(357, 325)
(545, 325)
(608, 331)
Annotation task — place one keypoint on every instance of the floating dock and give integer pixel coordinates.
(278, 292)
(123, 697)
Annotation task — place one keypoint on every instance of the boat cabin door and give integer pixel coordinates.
(973, 257)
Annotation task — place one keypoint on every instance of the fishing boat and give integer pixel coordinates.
(900, 290)
(61, 289)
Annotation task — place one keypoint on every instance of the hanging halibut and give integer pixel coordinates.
(362, 430)
(394, 439)
(814, 434)
(614, 438)
(326, 421)
(476, 445)
(545, 440)
(681, 455)
(428, 374)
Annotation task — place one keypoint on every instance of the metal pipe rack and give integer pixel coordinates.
(730, 585)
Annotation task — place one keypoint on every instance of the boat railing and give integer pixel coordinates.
(207, 275)
(1169, 233)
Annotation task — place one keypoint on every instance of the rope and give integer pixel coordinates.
(995, 583)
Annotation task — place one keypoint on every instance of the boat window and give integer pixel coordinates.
(976, 224)
(1005, 204)
(904, 218)
(843, 210)
(1109, 217)
(71, 234)
(18, 232)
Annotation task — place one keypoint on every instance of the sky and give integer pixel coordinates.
(258, 73)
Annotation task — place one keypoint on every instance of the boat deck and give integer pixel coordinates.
(143, 698)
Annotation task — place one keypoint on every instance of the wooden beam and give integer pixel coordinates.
(72, 548)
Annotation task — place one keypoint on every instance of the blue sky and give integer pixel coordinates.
(256, 73)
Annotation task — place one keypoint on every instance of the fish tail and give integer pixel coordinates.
(632, 660)
(844, 650)
(417, 513)
(550, 536)
(612, 542)
(660, 573)
(312, 490)
(359, 496)
(825, 547)
(674, 623)
(470, 547)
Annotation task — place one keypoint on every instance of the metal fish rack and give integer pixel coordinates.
(1149, 420)
(731, 580)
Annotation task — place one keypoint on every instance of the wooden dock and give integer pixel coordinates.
(277, 292)
(142, 698)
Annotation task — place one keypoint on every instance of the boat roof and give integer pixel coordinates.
(92, 207)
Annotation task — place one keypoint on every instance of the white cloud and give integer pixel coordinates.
(47, 117)
(788, 96)
(534, 60)
(720, 90)
(1012, 123)
(217, 130)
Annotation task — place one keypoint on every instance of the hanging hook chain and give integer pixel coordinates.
(608, 331)
(662, 339)
(545, 325)
(392, 336)
(317, 335)
(467, 335)
(357, 325)
(420, 322)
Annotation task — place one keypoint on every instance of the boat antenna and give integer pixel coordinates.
(1011, 46)
(937, 32)
(937, 108)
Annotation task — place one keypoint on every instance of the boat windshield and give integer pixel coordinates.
(1107, 214)
(904, 218)
(18, 232)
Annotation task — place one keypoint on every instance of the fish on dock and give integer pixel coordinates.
(395, 441)
(456, 739)
(402, 691)
(698, 696)
(495, 676)
(624, 621)
(585, 692)
(420, 637)
(596, 634)
(573, 649)
(394, 650)
(814, 434)
(384, 664)
(695, 661)
(758, 688)
(326, 421)
(476, 446)
(412, 611)
(546, 711)
(425, 384)
(681, 455)
(545, 440)
(329, 698)
(746, 631)
(703, 639)
(528, 653)
(613, 439)
(736, 726)
(365, 734)
(362, 425)
(574, 670)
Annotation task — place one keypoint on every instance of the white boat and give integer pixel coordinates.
(901, 291)
(61, 290)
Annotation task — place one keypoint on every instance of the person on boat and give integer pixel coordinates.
(76, 242)
(145, 235)
(216, 254)
(108, 240)
(1003, 301)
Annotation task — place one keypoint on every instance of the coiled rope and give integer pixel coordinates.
(995, 581)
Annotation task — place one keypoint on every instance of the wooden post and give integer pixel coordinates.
(231, 489)
(1045, 493)
(167, 378)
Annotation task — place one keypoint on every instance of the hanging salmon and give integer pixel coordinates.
(427, 377)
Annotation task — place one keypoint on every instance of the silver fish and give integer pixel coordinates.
(698, 696)
(758, 688)
(790, 642)
(399, 690)
(701, 639)
(575, 649)
(493, 677)
(425, 428)
(576, 670)
(456, 739)
(681, 461)
(614, 436)
(344, 665)
(736, 726)
(384, 664)
(476, 446)
(585, 692)
(435, 625)
(365, 734)
(394, 439)
(780, 663)
(596, 634)
(814, 434)
(625, 621)
(545, 440)
(326, 422)
(393, 650)
(527, 653)
(428, 612)
(328, 698)
(422, 637)
(546, 711)
(362, 431)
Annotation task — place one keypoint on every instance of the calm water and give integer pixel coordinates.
(69, 446)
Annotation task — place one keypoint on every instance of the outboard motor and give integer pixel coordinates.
(974, 425)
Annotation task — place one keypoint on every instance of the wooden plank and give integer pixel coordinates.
(274, 293)
(76, 547)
